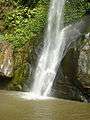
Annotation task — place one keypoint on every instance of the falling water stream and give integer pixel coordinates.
(57, 41)
(52, 52)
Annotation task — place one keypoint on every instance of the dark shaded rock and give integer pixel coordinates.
(73, 77)
(66, 84)
(84, 66)
(29, 2)
(4, 81)
(88, 11)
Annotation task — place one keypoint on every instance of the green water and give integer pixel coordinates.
(12, 107)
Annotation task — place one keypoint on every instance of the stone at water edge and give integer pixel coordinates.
(6, 59)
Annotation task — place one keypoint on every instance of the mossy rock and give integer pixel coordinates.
(6, 59)
(20, 76)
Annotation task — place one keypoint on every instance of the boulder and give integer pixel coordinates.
(73, 77)
(84, 66)
(72, 81)
(21, 68)
(6, 59)
(66, 84)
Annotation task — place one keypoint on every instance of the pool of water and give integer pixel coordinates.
(16, 106)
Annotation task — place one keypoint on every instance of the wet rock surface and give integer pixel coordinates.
(21, 68)
(84, 67)
(73, 77)
(6, 59)
(66, 85)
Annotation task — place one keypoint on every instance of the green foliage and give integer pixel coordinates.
(24, 24)
(20, 75)
(1, 36)
(74, 10)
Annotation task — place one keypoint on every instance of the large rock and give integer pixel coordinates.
(15, 66)
(21, 68)
(6, 59)
(66, 85)
(84, 66)
(73, 77)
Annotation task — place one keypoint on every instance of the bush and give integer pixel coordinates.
(23, 24)
(74, 10)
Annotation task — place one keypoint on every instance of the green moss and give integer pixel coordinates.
(20, 75)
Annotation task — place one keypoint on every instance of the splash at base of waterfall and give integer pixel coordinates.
(25, 95)
(32, 96)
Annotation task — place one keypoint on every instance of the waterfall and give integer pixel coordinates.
(52, 53)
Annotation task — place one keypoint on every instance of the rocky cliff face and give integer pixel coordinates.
(17, 66)
(20, 69)
(6, 64)
(84, 67)
(6, 59)
(73, 77)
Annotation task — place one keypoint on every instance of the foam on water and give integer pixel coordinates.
(32, 96)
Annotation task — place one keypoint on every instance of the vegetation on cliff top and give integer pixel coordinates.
(23, 23)
(24, 20)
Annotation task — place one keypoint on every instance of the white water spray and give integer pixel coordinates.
(52, 52)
